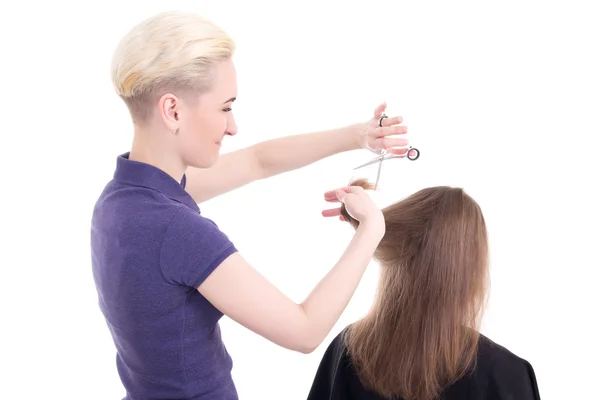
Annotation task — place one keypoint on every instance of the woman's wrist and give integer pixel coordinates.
(373, 226)
(352, 136)
(357, 135)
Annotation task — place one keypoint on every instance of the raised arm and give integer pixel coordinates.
(280, 155)
(266, 159)
(240, 292)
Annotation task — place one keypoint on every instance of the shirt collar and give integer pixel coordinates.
(145, 175)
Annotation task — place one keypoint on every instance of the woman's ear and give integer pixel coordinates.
(169, 108)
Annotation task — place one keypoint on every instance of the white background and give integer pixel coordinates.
(502, 99)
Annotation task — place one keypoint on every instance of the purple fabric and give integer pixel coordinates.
(151, 249)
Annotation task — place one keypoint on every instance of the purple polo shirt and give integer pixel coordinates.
(151, 249)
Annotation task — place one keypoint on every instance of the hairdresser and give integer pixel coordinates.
(165, 274)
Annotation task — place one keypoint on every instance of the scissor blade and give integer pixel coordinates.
(378, 174)
(373, 161)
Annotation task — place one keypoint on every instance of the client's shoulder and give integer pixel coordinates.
(504, 367)
(337, 346)
(491, 353)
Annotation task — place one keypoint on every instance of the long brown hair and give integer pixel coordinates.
(422, 331)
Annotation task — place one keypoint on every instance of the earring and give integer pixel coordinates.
(175, 131)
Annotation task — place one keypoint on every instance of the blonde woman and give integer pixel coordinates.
(164, 272)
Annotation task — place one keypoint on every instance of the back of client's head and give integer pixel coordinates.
(422, 332)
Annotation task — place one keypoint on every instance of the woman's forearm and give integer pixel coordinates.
(327, 301)
(266, 159)
(239, 291)
(276, 156)
(292, 152)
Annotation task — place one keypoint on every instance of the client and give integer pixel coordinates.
(420, 340)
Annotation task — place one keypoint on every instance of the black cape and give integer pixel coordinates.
(499, 375)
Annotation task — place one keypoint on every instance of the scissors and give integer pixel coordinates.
(387, 156)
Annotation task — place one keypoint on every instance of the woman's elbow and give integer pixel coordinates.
(307, 348)
(296, 342)
(309, 342)
(302, 339)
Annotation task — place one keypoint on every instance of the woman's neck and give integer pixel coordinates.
(150, 148)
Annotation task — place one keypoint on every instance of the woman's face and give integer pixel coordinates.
(205, 122)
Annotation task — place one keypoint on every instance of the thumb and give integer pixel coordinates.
(340, 194)
(379, 110)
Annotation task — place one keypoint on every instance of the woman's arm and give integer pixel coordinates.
(240, 292)
(277, 156)
(266, 159)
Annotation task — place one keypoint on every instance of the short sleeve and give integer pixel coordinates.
(193, 247)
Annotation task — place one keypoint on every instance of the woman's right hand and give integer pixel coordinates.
(358, 204)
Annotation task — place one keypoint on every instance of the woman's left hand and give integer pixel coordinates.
(375, 138)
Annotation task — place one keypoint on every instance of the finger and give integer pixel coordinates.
(341, 194)
(392, 121)
(379, 110)
(332, 212)
(390, 130)
(342, 218)
(356, 189)
(331, 196)
(386, 142)
(398, 151)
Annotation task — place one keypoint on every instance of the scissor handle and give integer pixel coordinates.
(381, 120)
(413, 158)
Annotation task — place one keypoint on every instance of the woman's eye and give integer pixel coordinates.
(227, 109)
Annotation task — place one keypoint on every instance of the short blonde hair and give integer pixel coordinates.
(169, 51)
